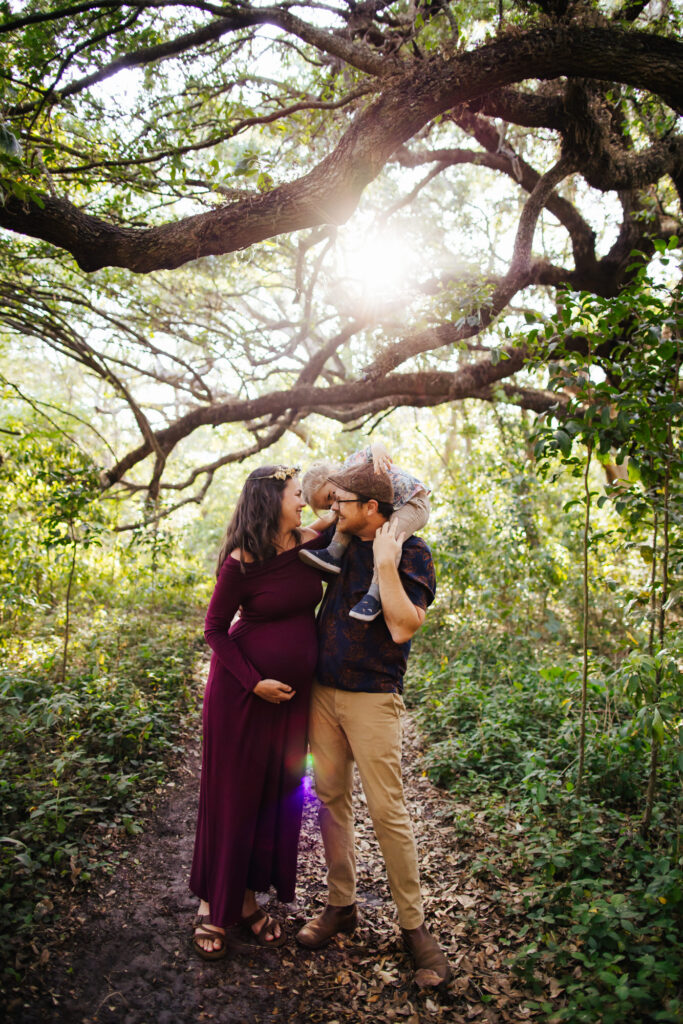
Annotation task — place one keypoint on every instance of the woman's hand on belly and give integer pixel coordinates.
(273, 691)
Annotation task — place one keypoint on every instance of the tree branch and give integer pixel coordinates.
(330, 192)
(134, 59)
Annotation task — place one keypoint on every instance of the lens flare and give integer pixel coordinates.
(378, 266)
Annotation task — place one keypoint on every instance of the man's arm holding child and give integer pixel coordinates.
(403, 618)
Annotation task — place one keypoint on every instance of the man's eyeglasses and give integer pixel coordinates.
(345, 501)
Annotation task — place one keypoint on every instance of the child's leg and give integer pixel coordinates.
(409, 518)
(412, 516)
(328, 558)
(339, 543)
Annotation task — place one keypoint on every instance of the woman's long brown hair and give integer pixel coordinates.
(255, 521)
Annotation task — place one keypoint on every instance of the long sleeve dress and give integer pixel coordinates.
(253, 758)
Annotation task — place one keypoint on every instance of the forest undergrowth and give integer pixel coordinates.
(603, 907)
(81, 753)
(601, 917)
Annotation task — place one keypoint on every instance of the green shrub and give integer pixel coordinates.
(77, 757)
(501, 715)
(602, 914)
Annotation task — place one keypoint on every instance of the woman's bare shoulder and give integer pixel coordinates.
(240, 555)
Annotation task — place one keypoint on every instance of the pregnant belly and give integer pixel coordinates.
(285, 649)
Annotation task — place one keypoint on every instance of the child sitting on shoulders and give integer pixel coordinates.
(411, 512)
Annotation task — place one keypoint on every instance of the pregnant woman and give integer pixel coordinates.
(255, 715)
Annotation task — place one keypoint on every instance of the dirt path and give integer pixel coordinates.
(124, 953)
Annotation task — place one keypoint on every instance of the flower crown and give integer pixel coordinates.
(280, 473)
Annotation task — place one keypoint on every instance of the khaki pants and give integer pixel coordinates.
(365, 728)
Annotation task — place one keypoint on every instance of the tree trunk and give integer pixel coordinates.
(72, 570)
(584, 675)
(651, 787)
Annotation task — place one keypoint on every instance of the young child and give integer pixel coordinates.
(411, 511)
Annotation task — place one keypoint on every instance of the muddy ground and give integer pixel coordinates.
(122, 953)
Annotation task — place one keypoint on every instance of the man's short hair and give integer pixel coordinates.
(385, 509)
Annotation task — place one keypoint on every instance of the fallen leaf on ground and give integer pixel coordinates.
(425, 978)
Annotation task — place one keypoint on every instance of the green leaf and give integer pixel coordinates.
(564, 442)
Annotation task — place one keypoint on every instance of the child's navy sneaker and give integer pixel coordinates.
(367, 609)
(321, 559)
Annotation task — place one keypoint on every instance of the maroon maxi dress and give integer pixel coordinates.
(253, 759)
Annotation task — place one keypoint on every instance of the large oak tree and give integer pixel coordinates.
(157, 138)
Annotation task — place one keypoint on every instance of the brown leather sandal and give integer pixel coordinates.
(202, 932)
(265, 929)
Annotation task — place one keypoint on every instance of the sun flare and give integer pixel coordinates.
(378, 266)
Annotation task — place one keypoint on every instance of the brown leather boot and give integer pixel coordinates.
(319, 931)
(431, 965)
